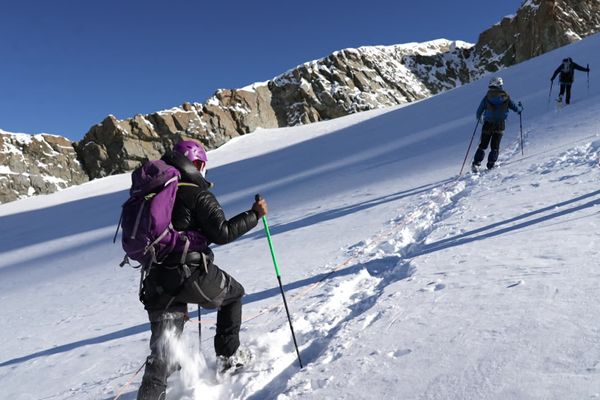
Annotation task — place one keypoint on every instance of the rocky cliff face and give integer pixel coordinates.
(116, 146)
(36, 164)
(538, 27)
(345, 82)
(354, 80)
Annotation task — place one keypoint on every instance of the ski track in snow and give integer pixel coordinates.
(378, 261)
(343, 308)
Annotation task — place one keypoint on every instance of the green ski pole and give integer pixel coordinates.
(278, 273)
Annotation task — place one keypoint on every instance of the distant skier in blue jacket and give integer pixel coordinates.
(567, 76)
(494, 110)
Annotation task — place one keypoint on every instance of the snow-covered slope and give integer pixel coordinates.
(404, 280)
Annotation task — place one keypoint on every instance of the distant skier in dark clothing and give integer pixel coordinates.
(494, 111)
(567, 76)
(174, 283)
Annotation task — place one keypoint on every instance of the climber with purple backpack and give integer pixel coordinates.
(168, 222)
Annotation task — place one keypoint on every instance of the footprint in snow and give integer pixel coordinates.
(399, 353)
(433, 287)
(521, 282)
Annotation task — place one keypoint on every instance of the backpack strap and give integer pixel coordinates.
(187, 184)
(204, 262)
(173, 179)
(126, 260)
(118, 226)
(137, 220)
(143, 274)
(184, 253)
(150, 247)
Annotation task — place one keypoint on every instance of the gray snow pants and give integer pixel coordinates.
(209, 288)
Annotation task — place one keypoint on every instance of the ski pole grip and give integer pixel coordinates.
(257, 197)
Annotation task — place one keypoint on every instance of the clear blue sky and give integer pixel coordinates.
(65, 65)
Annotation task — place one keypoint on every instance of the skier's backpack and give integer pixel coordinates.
(496, 105)
(148, 235)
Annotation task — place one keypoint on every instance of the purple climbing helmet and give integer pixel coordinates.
(193, 150)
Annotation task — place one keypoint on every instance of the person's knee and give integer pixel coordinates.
(236, 289)
(234, 293)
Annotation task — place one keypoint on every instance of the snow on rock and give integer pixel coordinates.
(36, 164)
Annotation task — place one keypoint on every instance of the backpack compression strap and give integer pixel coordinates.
(187, 184)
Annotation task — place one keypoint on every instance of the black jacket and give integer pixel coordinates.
(196, 208)
(567, 71)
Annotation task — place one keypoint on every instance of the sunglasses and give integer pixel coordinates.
(200, 166)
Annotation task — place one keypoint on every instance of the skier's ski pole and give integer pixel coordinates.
(588, 80)
(550, 93)
(277, 272)
(521, 126)
(468, 149)
(199, 328)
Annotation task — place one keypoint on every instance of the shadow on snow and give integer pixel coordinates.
(500, 228)
(134, 330)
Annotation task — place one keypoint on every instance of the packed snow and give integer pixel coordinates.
(404, 280)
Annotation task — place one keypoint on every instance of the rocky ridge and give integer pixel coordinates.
(538, 27)
(36, 164)
(347, 81)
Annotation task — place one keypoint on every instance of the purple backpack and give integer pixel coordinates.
(148, 235)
